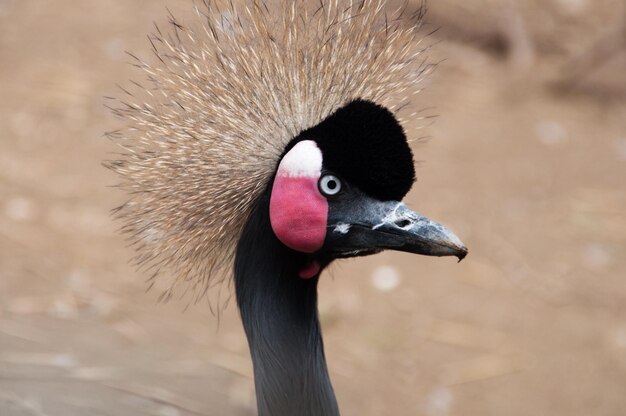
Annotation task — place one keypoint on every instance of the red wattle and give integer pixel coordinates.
(298, 212)
(310, 270)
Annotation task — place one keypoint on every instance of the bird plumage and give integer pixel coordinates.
(271, 142)
(221, 99)
(279, 315)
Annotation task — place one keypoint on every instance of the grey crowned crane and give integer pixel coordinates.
(266, 143)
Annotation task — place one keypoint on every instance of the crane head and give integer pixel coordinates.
(338, 189)
(294, 100)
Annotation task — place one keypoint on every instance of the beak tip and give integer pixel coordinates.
(462, 253)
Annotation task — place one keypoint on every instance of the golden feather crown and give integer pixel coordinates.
(223, 96)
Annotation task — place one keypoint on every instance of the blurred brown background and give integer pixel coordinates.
(527, 163)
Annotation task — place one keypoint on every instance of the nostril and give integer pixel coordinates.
(403, 223)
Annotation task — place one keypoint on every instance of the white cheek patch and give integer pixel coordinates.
(303, 160)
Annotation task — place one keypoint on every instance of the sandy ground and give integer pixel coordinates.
(533, 178)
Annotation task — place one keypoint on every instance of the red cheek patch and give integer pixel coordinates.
(298, 212)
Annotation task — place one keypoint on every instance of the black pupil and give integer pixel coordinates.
(331, 184)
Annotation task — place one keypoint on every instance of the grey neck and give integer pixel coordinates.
(279, 314)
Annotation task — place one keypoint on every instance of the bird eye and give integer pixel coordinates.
(330, 185)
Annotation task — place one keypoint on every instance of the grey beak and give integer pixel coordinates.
(379, 225)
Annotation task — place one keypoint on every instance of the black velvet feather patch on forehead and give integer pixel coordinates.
(364, 144)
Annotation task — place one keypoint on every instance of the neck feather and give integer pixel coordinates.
(279, 314)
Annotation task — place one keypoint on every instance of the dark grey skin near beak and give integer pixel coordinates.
(361, 225)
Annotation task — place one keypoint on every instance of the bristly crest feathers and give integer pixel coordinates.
(223, 97)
